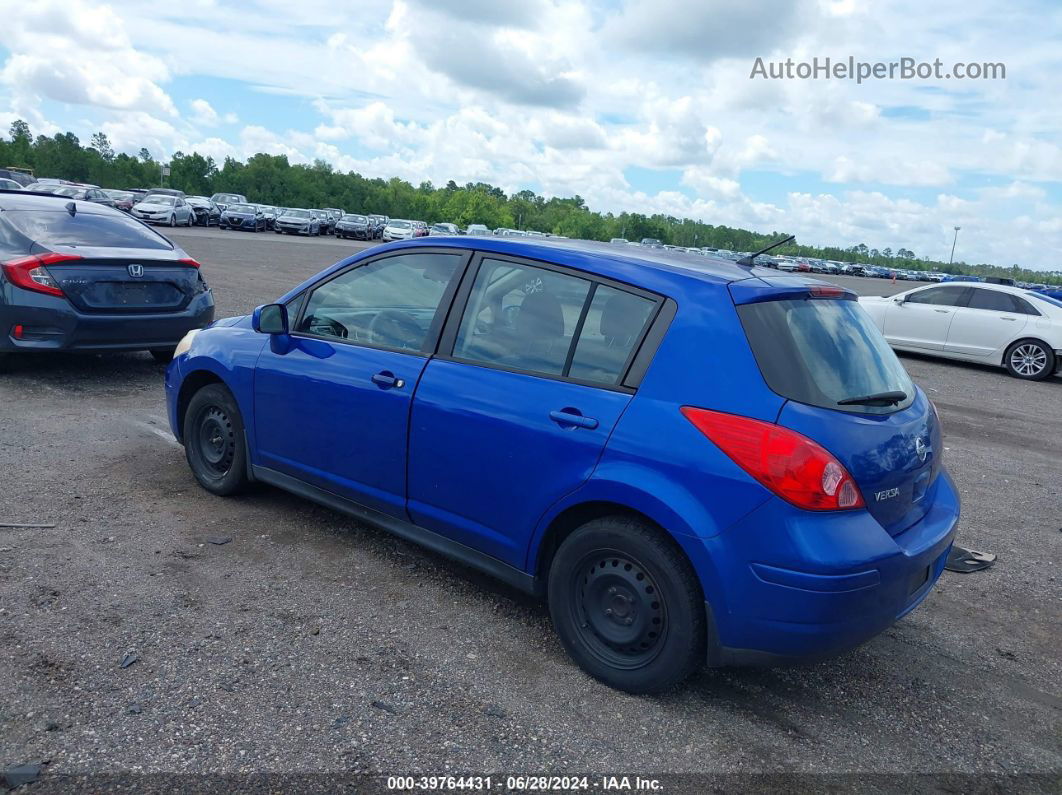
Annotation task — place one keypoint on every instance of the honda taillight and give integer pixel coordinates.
(30, 273)
(787, 463)
(189, 261)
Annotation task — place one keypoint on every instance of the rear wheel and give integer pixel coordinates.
(191, 222)
(627, 605)
(1030, 360)
(214, 441)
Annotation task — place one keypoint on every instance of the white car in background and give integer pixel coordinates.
(161, 208)
(988, 323)
(398, 229)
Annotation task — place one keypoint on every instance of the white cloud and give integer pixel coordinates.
(203, 113)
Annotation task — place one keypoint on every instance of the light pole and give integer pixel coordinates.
(955, 239)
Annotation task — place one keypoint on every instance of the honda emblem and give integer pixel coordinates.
(136, 271)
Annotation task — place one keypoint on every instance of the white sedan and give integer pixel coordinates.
(989, 323)
(398, 229)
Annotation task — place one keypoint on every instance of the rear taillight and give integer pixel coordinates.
(30, 273)
(787, 463)
(190, 262)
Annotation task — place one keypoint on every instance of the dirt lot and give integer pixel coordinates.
(310, 643)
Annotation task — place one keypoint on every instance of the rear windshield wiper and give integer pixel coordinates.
(879, 399)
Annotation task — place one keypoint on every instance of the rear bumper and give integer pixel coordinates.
(792, 587)
(54, 324)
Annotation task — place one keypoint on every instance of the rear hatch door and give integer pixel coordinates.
(845, 389)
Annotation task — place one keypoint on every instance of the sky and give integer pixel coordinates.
(640, 105)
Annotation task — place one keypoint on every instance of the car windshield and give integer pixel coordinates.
(49, 229)
(240, 208)
(158, 199)
(297, 214)
(822, 352)
(354, 219)
(400, 224)
(68, 191)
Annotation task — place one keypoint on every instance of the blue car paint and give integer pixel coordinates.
(489, 470)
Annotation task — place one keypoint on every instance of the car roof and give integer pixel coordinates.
(644, 267)
(31, 200)
(1003, 288)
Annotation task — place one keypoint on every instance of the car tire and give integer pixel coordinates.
(627, 605)
(1029, 360)
(173, 220)
(190, 223)
(214, 441)
(162, 356)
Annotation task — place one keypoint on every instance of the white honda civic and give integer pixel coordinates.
(1008, 327)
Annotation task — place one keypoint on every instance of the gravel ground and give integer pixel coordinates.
(310, 643)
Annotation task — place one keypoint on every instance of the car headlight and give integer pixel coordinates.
(185, 344)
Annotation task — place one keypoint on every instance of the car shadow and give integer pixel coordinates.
(74, 369)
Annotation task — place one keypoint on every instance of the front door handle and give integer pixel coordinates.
(572, 418)
(385, 379)
(945, 311)
(1011, 319)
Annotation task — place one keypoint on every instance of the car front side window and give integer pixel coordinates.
(938, 296)
(389, 303)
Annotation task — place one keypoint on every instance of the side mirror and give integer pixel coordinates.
(270, 319)
(899, 299)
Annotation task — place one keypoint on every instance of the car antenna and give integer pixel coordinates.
(71, 208)
(749, 260)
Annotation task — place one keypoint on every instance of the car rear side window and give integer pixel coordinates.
(938, 296)
(613, 325)
(48, 228)
(521, 317)
(821, 352)
(997, 301)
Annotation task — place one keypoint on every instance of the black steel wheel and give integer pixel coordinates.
(618, 607)
(627, 605)
(214, 440)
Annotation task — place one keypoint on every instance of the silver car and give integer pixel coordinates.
(158, 208)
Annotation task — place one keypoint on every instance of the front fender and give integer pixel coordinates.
(229, 354)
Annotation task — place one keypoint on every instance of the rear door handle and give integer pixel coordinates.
(572, 418)
(385, 379)
(1011, 319)
(945, 311)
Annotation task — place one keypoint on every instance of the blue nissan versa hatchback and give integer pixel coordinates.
(693, 460)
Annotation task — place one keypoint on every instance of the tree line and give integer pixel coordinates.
(271, 179)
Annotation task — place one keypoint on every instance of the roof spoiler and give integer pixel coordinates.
(754, 291)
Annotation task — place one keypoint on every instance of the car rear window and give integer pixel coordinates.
(85, 229)
(823, 351)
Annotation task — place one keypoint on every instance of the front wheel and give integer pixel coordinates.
(1030, 360)
(214, 441)
(627, 605)
(173, 220)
